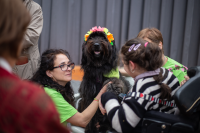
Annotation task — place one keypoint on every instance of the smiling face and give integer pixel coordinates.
(61, 77)
(97, 46)
(97, 49)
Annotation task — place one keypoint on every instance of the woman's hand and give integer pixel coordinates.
(102, 109)
(185, 80)
(97, 125)
(103, 90)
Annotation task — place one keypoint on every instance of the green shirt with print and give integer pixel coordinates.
(176, 68)
(64, 109)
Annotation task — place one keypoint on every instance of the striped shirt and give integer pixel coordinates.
(125, 116)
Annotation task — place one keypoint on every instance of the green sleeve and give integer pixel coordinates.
(176, 68)
(179, 74)
(64, 109)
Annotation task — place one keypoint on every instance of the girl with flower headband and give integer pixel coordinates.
(153, 85)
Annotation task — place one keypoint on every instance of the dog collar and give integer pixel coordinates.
(114, 73)
(103, 29)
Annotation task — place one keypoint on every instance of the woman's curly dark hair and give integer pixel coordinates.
(148, 57)
(47, 63)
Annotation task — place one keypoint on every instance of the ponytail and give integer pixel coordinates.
(165, 89)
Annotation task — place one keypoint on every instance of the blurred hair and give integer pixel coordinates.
(47, 63)
(14, 19)
(149, 58)
(153, 34)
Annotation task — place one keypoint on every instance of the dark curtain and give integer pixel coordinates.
(66, 22)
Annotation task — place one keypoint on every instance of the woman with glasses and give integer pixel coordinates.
(55, 74)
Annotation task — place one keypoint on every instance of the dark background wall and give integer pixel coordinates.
(66, 22)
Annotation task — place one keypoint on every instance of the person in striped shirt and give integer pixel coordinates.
(153, 88)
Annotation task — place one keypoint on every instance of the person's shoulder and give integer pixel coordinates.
(28, 94)
(173, 62)
(12, 82)
(51, 91)
(31, 85)
(37, 96)
(35, 5)
(35, 8)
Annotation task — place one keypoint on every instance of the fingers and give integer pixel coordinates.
(103, 111)
(107, 84)
(97, 125)
(186, 77)
(105, 87)
(185, 80)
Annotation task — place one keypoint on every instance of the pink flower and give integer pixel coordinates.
(176, 65)
(183, 69)
(170, 69)
(94, 29)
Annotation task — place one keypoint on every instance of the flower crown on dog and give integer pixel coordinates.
(105, 30)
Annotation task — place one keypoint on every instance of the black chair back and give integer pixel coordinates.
(187, 98)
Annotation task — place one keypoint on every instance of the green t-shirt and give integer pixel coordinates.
(176, 68)
(64, 109)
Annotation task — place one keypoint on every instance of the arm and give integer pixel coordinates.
(123, 117)
(82, 119)
(35, 27)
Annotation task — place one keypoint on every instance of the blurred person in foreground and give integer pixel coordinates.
(28, 61)
(24, 107)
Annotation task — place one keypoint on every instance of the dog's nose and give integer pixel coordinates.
(96, 44)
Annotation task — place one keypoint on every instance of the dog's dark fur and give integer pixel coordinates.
(98, 57)
(117, 86)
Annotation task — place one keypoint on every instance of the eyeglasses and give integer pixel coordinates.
(65, 67)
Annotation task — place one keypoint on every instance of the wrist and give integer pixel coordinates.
(99, 95)
(95, 99)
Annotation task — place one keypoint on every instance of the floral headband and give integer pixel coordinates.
(105, 30)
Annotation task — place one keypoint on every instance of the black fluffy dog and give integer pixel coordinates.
(99, 62)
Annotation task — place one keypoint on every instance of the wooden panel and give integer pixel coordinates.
(77, 73)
